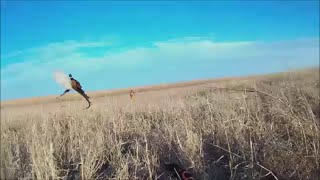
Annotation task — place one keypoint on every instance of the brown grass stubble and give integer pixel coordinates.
(217, 134)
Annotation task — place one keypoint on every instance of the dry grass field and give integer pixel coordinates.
(263, 127)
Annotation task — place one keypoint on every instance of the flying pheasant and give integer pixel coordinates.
(77, 87)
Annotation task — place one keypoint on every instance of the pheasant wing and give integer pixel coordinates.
(62, 79)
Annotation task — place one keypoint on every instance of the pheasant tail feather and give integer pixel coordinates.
(82, 93)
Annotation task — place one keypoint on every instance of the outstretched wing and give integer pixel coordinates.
(62, 79)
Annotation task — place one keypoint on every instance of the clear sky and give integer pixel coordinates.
(108, 45)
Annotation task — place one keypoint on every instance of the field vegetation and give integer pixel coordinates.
(265, 127)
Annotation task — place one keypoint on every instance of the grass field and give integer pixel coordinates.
(263, 127)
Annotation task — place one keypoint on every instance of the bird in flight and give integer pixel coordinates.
(70, 84)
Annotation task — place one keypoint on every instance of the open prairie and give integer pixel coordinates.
(259, 127)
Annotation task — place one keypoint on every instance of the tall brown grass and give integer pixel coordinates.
(266, 128)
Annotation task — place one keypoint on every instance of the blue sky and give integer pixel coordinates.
(108, 45)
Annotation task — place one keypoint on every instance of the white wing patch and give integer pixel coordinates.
(62, 79)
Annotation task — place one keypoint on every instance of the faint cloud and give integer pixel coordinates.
(65, 46)
(164, 60)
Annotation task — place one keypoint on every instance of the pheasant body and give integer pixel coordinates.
(77, 87)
